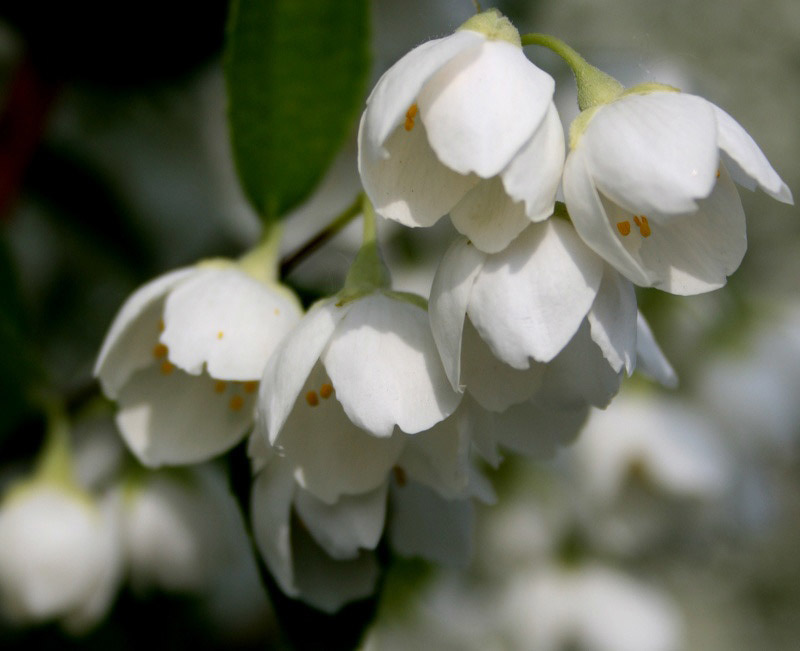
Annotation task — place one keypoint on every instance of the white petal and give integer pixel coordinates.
(654, 153)
(288, 368)
(489, 217)
(535, 172)
(650, 360)
(386, 369)
(128, 346)
(745, 160)
(539, 428)
(447, 307)
(228, 321)
(411, 185)
(696, 253)
(494, 384)
(439, 458)
(481, 110)
(354, 522)
(580, 374)
(613, 321)
(177, 418)
(426, 525)
(593, 225)
(399, 86)
(529, 300)
(270, 510)
(332, 457)
(328, 584)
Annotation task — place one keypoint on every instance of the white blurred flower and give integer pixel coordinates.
(60, 555)
(464, 124)
(649, 186)
(592, 607)
(184, 356)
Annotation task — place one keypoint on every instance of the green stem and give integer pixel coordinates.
(368, 271)
(55, 459)
(289, 262)
(595, 87)
(261, 261)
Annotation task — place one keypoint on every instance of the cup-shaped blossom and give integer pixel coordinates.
(464, 125)
(60, 555)
(184, 356)
(345, 384)
(649, 184)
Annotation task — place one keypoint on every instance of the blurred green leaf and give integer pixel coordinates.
(295, 74)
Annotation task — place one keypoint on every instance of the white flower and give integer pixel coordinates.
(341, 385)
(184, 356)
(59, 555)
(544, 311)
(464, 124)
(649, 186)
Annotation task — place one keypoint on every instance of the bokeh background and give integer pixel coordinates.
(671, 524)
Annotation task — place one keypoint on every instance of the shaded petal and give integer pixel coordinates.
(489, 217)
(342, 529)
(654, 153)
(447, 307)
(580, 374)
(399, 86)
(535, 172)
(288, 368)
(589, 217)
(386, 369)
(494, 384)
(270, 510)
(650, 360)
(426, 525)
(481, 110)
(177, 418)
(529, 300)
(696, 253)
(612, 320)
(747, 164)
(228, 321)
(411, 186)
(539, 428)
(128, 346)
(332, 457)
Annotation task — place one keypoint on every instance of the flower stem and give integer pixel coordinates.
(289, 262)
(261, 261)
(55, 459)
(368, 271)
(595, 87)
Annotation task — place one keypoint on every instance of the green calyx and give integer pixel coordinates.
(494, 26)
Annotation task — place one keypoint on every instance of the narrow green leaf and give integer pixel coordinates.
(295, 71)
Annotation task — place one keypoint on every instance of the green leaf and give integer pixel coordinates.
(295, 71)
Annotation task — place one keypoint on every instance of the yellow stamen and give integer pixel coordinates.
(167, 367)
(400, 476)
(250, 387)
(219, 386)
(312, 399)
(236, 403)
(411, 113)
(717, 173)
(277, 312)
(160, 351)
(326, 390)
(624, 228)
(644, 226)
(220, 334)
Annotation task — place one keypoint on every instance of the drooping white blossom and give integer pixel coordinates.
(184, 356)
(464, 125)
(649, 184)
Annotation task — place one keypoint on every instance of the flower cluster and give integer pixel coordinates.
(369, 416)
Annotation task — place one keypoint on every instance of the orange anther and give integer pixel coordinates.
(644, 227)
(250, 387)
(236, 403)
(411, 113)
(166, 367)
(717, 173)
(160, 351)
(220, 334)
(312, 399)
(219, 386)
(277, 312)
(636, 221)
(326, 390)
(624, 228)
